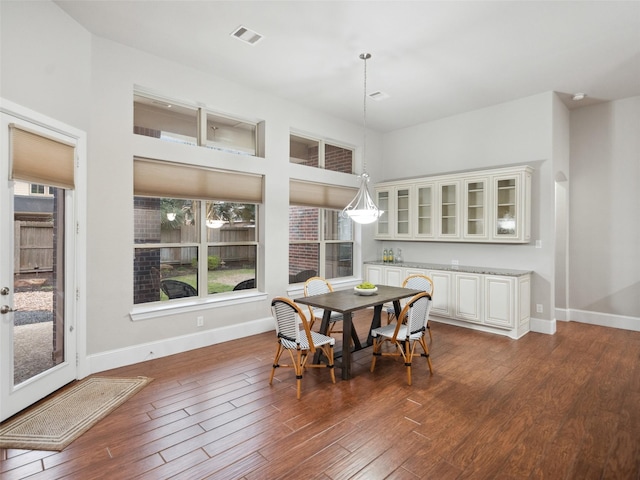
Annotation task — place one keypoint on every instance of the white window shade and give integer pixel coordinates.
(309, 194)
(171, 180)
(39, 159)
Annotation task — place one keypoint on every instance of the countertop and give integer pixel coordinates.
(455, 268)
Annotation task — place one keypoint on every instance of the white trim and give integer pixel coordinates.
(162, 348)
(173, 307)
(611, 320)
(539, 325)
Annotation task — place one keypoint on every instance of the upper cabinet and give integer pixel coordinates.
(491, 206)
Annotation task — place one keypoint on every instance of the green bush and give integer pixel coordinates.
(213, 262)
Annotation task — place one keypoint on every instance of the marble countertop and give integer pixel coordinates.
(455, 268)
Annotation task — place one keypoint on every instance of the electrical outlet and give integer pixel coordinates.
(538, 308)
(455, 262)
(200, 321)
(538, 243)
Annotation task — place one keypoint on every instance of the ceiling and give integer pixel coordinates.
(433, 59)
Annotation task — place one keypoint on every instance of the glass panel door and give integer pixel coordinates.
(37, 258)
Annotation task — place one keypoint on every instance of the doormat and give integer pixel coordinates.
(58, 420)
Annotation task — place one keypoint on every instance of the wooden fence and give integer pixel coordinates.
(33, 246)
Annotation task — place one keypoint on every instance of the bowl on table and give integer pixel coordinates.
(365, 291)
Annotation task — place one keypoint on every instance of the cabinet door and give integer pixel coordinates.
(374, 274)
(507, 208)
(475, 208)
(468, 297)
(499, 294)
(383, 200)
(449, 204)
(424, 210)
(393, 276)
(402, 212)
(441, 293)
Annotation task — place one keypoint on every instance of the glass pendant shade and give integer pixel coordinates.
(362, 208)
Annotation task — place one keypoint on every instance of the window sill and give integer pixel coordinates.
(165, 309)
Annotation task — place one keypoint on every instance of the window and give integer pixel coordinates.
(163, 119)
(37, 189)
(195, 230)
(320, 243)
(320, 154)
(192, 248)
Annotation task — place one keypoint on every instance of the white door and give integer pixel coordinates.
(38, 301)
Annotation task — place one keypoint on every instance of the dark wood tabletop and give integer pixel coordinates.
(348, 301)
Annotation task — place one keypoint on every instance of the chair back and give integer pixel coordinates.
(177, 289)
(316, 286)
(419, 282)
(416, 312)
(288, 317)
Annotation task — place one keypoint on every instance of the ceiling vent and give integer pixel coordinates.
(378, 96)
(246, 35)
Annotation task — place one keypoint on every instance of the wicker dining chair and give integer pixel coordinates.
(417, 282)
(301, 343)
(405, 334)
(318, 286)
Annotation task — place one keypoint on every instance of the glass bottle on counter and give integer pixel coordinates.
(390, 256)
(399, 256)
(385, 256)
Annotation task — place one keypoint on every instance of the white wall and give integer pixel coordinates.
(604, 241)
(514, 133)
(89, 82)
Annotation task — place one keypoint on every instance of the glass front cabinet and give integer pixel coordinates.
(491, 206)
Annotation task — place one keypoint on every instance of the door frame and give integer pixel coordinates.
(75, 316)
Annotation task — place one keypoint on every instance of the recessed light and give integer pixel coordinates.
(246, 35)
(579, 96)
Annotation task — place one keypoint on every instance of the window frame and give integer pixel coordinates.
(322, 151)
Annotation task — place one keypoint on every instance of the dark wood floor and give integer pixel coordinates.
(563, 406)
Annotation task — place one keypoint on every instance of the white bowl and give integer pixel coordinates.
(365, 291)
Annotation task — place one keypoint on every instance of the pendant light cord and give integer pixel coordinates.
(365, 57)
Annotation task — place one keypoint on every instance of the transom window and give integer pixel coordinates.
(320, 154)
(191, 125)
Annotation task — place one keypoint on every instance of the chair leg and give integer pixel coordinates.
(298, 368)
(376, 352)
(429, 330)
(276, 361)
(426, 354)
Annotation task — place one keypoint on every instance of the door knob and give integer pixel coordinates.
(6, 309)
(4, 291)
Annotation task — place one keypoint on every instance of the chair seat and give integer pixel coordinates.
(388, 331)
(319, 313)
(318, 340)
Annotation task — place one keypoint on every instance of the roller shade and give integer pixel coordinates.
(308, 194)
(170, 180)
(39, 159)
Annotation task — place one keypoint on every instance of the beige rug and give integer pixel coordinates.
(57, 421)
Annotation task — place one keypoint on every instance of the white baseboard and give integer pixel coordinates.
(539, 325)
(148, 351)
(623, 322)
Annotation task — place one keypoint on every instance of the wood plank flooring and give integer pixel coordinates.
(563, 406)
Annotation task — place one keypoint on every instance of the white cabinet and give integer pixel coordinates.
(383, 200)
(468, 299)
(475, 209)
(482, 301)
(425, 210)
(448, 209)
(491, 206)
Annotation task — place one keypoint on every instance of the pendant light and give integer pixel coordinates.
(362, 209)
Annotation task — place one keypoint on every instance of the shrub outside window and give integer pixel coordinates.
(191, 248)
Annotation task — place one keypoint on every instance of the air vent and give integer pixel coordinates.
(378, 96)
(246, 35)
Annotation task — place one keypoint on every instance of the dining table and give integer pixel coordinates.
(346, 302)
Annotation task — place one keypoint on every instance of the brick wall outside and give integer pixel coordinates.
(338, 159)
(146, 262)
(303, 225)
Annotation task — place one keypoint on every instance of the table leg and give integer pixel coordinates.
(347, 327)
(324, 326)
(375, 322)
